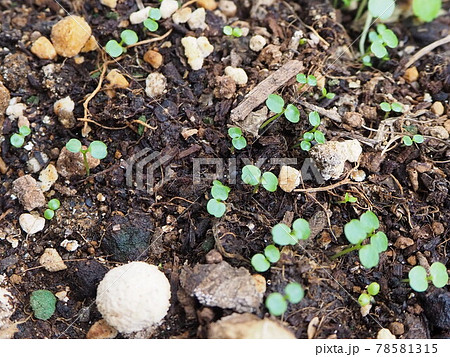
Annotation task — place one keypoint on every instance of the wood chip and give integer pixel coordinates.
(312, 327)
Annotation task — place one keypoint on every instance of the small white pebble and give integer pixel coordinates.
(197, 19)
(155, 84)
(182, 16)
(168, 7)
(196, 49)
(237, 74)
(257, 43)
(139, 16)
(70, 245)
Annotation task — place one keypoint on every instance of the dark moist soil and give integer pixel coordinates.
(173, 219)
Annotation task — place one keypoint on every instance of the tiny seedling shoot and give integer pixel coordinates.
(230, 31)
(348, 198)
(97, 149)
(419, 278)
(276, 105)
(153, 16)
(326, 94)
(313, 134)
(367, 298)
(219, 193)
(237, 138)
(408, 140)
(18, 139)
(303, 80)
(251, 175)
(387, 108)
(277, 303)
(356, 231)
(380, 40)
(52, 205)
(261, 262)
(115, 49)
(283, 235)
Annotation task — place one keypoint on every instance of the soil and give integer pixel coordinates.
(171, 218)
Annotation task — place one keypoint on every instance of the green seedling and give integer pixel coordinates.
(219, 193)
(97, 149)
(387, 108)
(326, 94)
(408, 141)
(419, 279)
(18, 139)
(230, 31)
(348, 198)
(381, 9)
(312, 135)
(153, 16)
(261, 262)
(277, 303)
(367, 298)
(43, 304)
(303, 79)
(52, 205)
(237, 138)
(283, 235)
(115, 49)
(276, 105)
(251, 175)
(426, 10)
(356, 231)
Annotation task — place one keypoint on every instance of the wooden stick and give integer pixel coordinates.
(427, 49)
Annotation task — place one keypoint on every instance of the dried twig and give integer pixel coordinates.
(427, 49)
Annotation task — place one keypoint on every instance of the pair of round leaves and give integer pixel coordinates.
(385, 37)
(261, 262)
(43, 304)
(115, 49)
(251, 175)
(396, 107)
(52, 205)
(235, 32)
(237, 139)
(418, 279)
(277, 303)
(276, 104)
(17, 140)
(97, 149)
(219, 192)
(283, 235)
(153, 16)
(372, 290)
(408, 141)
(357, 229)
(310, 80)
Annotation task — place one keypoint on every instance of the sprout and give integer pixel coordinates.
(237, 139)
(261, 263)
(18, 139)
(348, 198)
(52, 205)
(313, 134)
(277, 303)
(275, 103)
(230, 31)
(418, 277)
(372, 290)
(215, 205)
(283, 235)
(115, 49)
(251, 175)
(97, 149)
(408, 141)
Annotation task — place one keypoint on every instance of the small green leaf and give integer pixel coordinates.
(219, 191)
(381, 28)
(367, 61)
(54, 204)
(370, 221)
(397, 107)
(418, 278)
(98, 150)
(379, 241)
(24, 130)
(237, 32)
(385, 107)
(389, 38)
(292, 114)
(155, 14)
(324, 91)
(294, 293)
(227, 30)
(354, 231)
(308, 136)
(364, 299)
(235, 132)
(301, 78)
(272, 253)
(151, 25)
(239, 143)
(368, 256)
(407, 141)
(275, 103)
(373, 289)
(260, 263)
(49, 214)
(373, 36)
(319, 137)
(281, 235)
(305, 145)
(311, 80)
(418, 139)
(17, 140)
(439, 275)
(381, 8)
(113, 48)
(426, 10)
(300, 229)
(216, 208)
(269, 181)
(330, 95)
(276, 304)
(251, 175)
(73, 145)
(43, 304)
(129, 37)
(378, 49)
(314, 118)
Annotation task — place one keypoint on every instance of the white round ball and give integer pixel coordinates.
(133, 296)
